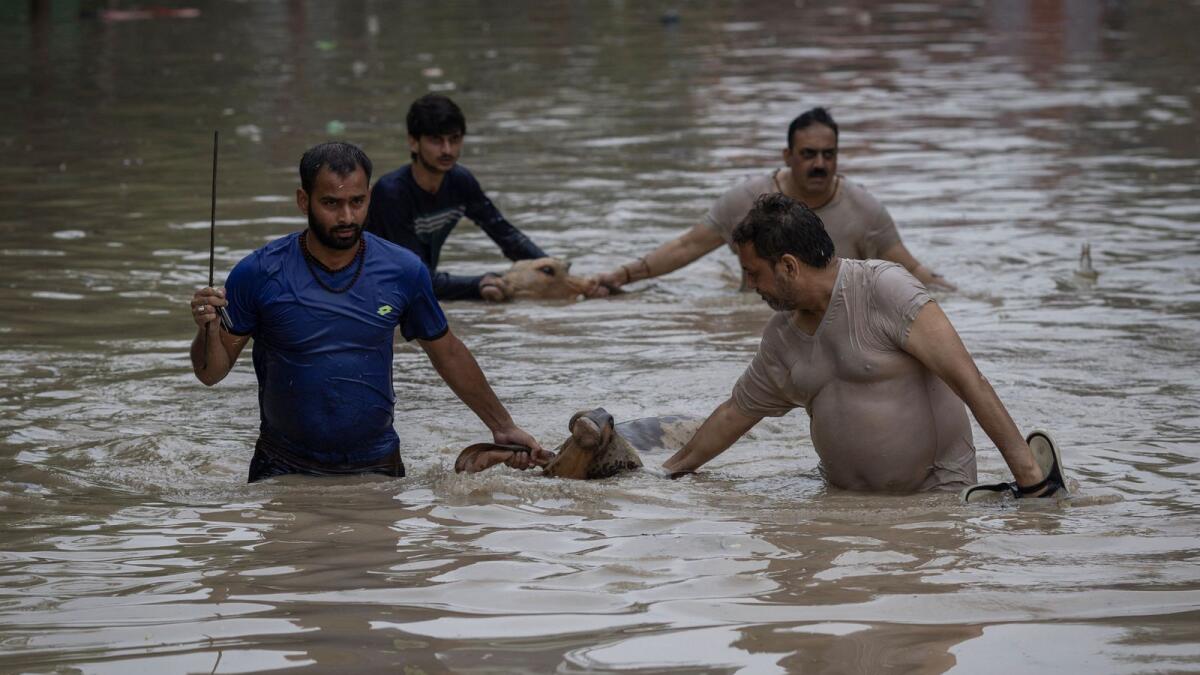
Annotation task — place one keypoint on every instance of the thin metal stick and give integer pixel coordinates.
(212, 239)
(212, 230)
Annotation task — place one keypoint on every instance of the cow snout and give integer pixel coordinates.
(585, 433)
(592, 429)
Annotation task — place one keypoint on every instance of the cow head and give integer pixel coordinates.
(544, 279)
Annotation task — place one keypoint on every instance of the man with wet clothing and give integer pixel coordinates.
(872, 359)
(859, 225)
(419, 204)
(323, 306)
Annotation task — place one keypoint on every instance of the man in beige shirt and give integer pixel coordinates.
(861, 346)
(859, 225)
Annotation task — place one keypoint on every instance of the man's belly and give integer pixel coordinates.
(883, 437)
(333, 407)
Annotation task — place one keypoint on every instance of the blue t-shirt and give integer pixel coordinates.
(323, 359)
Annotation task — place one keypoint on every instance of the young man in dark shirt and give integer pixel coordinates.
(418, 205)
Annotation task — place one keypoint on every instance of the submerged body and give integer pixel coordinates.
(879, 419)
(405, 213)
(324, 360)
(858, 224)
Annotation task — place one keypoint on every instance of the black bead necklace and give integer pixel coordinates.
(311, 262)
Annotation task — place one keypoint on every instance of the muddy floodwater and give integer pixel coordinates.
(1002, 136)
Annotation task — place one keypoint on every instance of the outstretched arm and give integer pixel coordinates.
(668, 257)
(935, 343)
(448, 286)
(512, 242)
(723, 427)
(899, 254)
(457, 366)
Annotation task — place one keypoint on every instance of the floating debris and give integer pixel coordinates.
(1085, 269)
(149, 13)
(250, 131)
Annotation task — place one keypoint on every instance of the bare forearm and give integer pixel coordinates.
(672, 255)
(723, 427)
(995, 421)
(457, 366)
(212, 366)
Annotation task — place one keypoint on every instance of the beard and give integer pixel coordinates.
(325, 235)
(785, 301)
(777, 304)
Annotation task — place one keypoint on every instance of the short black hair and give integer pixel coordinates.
(341, 158)
(809, 118)
(779, 225)
(435, 115)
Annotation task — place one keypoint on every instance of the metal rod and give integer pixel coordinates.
(212, 239)
(212, 230)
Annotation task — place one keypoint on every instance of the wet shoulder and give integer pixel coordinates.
(392, 255)
(886, 272)
(393, 180)
(854, 195)
(732, 206)
(870, 274)
(749, 190)
(461, 179)
(892, 291)
(270, 259)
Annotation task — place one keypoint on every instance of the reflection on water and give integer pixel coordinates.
(1002, 136)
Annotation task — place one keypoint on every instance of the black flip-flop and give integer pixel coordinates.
(1048, 457)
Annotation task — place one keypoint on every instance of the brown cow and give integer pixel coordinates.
(537, 279)
(597, 448)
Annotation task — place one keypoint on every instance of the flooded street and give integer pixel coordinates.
(1002, 136)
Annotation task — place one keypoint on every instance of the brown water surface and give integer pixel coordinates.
(1001, 135)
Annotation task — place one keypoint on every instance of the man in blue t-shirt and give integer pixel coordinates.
(418, 205)
(322, 306)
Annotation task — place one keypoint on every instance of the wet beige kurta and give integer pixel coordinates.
(858, 224)
(880, 420)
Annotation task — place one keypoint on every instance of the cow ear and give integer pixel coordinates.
(481, 456)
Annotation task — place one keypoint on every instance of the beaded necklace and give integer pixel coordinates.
(311, 261)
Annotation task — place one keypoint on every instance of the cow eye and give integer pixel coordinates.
(547, 270)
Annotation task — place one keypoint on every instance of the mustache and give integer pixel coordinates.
(818, 173)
